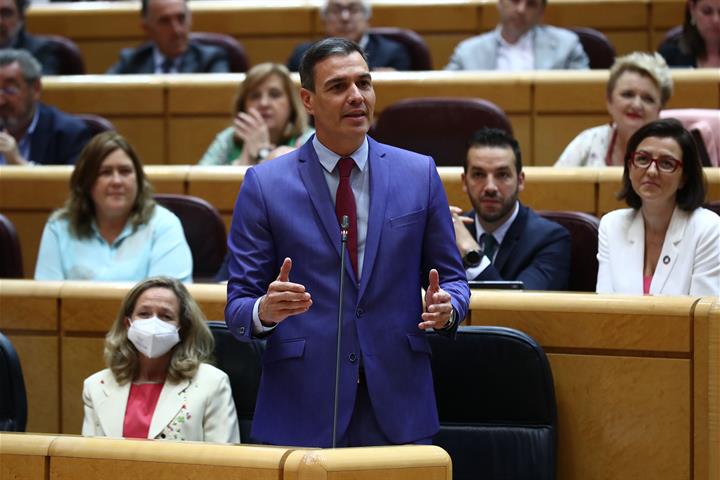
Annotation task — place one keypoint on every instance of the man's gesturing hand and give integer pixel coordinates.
(283, 298)
(438, 307)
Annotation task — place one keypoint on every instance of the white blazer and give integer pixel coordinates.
(200, 409)
(689, 263)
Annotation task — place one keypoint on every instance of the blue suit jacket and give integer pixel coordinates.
(285, 209)
(198, 58)
(381, 52)
(58, 137)
(534, 250)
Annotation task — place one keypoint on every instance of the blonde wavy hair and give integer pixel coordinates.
(650, 65)
(196, 342)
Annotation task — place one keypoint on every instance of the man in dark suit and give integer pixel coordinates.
(285, 265)
(501, 239)
(31, 132)
(350, 19)
(167, 23)
(13, 35)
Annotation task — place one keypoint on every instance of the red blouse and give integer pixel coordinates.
(140, 408)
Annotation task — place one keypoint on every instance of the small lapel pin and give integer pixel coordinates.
(666, 259)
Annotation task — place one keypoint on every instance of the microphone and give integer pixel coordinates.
(344, 227)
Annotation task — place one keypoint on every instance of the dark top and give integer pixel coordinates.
(534, 250)
(58, 137)
(381, 52)
(198, 58)
(674, 55)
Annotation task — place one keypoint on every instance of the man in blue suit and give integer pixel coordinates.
(501, 239)
(285, 244)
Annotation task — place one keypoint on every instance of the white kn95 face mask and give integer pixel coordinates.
(153, 337)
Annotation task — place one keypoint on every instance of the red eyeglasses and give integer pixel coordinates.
(664, 163)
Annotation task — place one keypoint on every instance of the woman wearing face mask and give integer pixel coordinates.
(268, 120)
(157, 384)
(638, 87)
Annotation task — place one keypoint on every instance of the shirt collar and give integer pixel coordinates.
(126, 232)
(502, 230)
(523, 41)
(364, 41)
(159, 59)
(328, 158)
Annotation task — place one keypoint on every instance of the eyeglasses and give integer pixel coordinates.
(352, 9)
(664, 163)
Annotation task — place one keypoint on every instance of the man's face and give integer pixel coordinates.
(10, 22)
(167, 23)
(519, 16)
(18, 98)
(346, 18)
(492, 183)
(343, 101)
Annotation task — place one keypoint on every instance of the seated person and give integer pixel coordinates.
(520, 42)
(167, 23)
(349, 19)
(501, 239)
(665, 244)
(638, 88)
(699, 44)
(30, 131)
(269, 120)
(158, 384)
(13, 35)
(110, 228)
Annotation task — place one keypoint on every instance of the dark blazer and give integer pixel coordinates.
(381, 52)
(40, 48)
(534, 250)
(674, 55)
(284, 209)
(198, 58)
(58, 137)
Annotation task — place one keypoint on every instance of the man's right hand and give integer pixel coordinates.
(463, 238)
(283, 298)
(9, 149)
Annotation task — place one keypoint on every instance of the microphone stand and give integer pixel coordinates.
(343, 246)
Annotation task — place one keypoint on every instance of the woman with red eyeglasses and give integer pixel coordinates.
(666, 243)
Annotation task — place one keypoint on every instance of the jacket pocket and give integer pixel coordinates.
(419, 343)
(277, 351)
(407, 219)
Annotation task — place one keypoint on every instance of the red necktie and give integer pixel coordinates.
(345, 205)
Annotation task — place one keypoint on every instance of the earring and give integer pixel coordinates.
(692, 21)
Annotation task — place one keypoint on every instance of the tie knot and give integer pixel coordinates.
(345, 166)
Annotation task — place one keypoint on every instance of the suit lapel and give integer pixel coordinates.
(635, 259)
(172, 399)
(111, 418)
(669, 253)
(543, 49)
(379, 174)
(312, 176)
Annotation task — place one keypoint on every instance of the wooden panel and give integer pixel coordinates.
(217, 185)
(39, 356)
(713, 179)
(29, 306)
(211, 298)
(189, 148)
(254, 18)
(81, 357)
(31, 188)
(555, 132)
(522, 126)
(84, 309)
(598, 14)
(406, 462)
(22, 456)
(696, 89)
(203, 93)
(147, 135)
(590, 322)
(622, 417)
(666, 14)
(628, 42)
(442, 45)
(168, 179)
(271, 49)
(547, 188)
(452, 182)
(85, 20)
(425, 17)
(100, 55)
(571, 91)
(609, 183)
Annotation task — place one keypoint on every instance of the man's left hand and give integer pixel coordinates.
(438, 306)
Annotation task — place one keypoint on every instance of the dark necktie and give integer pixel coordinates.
(167, 65)
(345, 205)
(489, 245)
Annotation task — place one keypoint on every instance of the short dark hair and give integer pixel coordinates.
(692, 194)
(495, 137)
(691, 42)
(145, 4)
(321, 50)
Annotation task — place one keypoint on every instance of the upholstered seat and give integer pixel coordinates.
(598, 48)
(704, 125)
(237, 57)
(68, 54)
(11, 265)
(13, 399)
(416, 47)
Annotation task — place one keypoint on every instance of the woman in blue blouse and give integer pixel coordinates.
(110, 228)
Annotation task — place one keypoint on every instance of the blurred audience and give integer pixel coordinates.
(168, 23)
(666, 243)
(638, 87)
(699, 44)
(269, 120)
(350, 19)
(30, 131)
(158, 384)
(520, 42)
(501, 239)
(110, 228)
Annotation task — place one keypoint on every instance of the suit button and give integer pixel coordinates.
(241, 330)
(352, 357)
(359, 312)
(162, 435)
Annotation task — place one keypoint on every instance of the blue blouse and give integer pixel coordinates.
(156, 248)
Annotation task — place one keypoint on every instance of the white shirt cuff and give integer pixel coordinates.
(258, 327)
(472, 273)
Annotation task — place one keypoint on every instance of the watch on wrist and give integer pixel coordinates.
(472, 259)
(262, 154)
